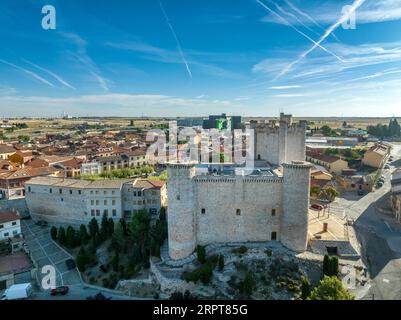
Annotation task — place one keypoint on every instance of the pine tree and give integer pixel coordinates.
(53, 233)
(61, 235)
(93, 228)
(110, 227)
(305, 288)
(70, 237)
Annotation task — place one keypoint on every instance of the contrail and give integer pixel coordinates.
(327, 33)
(293, 16)
(299, 31)
(307, 16)
(57, 77)
(176, 40)
(32, 74)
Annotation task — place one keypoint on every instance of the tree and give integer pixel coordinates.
(110, 227)
(124, 226)
(249, 284)
(53, 233)
(333, 266)
(83, 234)
(201, 253)
(82, 259)
(119, 236)
(330, 265)
(330, 193)
(104, 227)
(61, 235)
(305, 288)
(70, 238)
(330, 288)
(93, 228)
(315, 190)
(138, 231)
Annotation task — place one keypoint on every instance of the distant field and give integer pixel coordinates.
(38, 127)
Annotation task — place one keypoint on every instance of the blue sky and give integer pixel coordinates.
(196, 57)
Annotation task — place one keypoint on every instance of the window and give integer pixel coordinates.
(6, 234)
(114, 212)
(113, 202)
(62, 199)
(92, 202)
(203, 211)
(1, 226)
(60, 191)
(97, 212)
(178, 197)
(14, 223)
(92, 212)
(29, 189)
(70, 191)
(97, 191)
(91, 191)
(97, 202)
(274, 236)
(106, 212)
(134, 193)
(139, 193)
(79, 192)
(113, 192)
(104, 192)
(238, 212)
(273, 212)
(105, 202)
(50, 190)
(15, 232)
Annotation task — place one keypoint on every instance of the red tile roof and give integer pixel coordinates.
(8, 217)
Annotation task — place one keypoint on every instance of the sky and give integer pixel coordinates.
(198, 57)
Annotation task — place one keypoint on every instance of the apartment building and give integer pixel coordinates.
(72, 201)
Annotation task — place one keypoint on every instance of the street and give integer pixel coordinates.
(45, 252)
(379, 235)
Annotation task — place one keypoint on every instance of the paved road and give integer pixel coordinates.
(379, 235)
(45, 252)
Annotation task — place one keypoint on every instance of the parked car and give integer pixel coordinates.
(386, 166)
(63, 290)
(361, 192)
(70, 264)
(380, 184)
(317, 206)
(17, 292)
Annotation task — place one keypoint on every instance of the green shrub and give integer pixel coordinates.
(204, 274)
(201, 253)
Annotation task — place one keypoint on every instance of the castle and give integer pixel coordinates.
(223, 207)
(280, 143)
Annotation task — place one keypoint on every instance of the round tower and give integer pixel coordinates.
(181, 215)
(294, 219)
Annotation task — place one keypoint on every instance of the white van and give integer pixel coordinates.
(17, 292)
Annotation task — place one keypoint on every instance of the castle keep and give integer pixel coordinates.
(206, 209)
(223, 206)
(279, 142)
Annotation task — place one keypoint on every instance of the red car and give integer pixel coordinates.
(59, 291)
(317, 206)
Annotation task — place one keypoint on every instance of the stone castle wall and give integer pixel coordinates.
(223, 209)
(237, 209)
